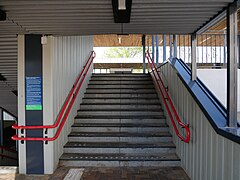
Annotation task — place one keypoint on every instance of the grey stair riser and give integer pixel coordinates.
(119, 163)
(139, 79)
(150, 91)
(82, 120)
(120, 96)
(121, 107)
(121, 86)
(120, 139)
(120, 129)
(120, 75)
(110, 82)
(151, 151)
(121, 113)
(120, 101)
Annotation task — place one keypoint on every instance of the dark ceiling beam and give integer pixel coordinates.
(122, 16)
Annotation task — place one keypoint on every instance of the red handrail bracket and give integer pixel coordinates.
(168, 102)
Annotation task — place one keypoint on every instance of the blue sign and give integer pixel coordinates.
(33, 93)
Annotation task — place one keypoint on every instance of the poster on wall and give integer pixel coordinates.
(33, 93)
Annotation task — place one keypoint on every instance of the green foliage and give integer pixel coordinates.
(123, 52)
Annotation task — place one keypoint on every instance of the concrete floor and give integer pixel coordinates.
(165, 173)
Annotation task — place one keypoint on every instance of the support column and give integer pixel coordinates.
(153, 48)
(144, 49)
(157, 49)
(171, 46)
(164, 48)
(194, 56)
(175, 45)
(232, 64)
(30, 106)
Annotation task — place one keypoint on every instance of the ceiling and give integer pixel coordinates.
(91, 17)
(85, 17)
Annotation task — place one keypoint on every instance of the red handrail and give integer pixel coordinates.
(65, 110)
(9, 150)
(166, 98)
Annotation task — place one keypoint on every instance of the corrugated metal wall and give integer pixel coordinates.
(64, 58)
(8, 68)
(208, 156)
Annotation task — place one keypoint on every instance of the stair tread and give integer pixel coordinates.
(121, 157)
(119, 145)
(119, 134)
(119, 125)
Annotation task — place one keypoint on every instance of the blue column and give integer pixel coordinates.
(33, 104)
(164, 48)
(157, 52)
(153, 49)
(144, 49)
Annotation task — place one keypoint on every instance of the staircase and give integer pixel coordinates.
(120, 123)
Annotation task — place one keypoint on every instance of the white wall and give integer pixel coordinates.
(64, 58)
(208, 156)
(216, 81)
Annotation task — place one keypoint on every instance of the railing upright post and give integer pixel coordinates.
(157, 49)
(153, 48)
(194, 56)
(164, 48)
(144, 49)
(232, 64)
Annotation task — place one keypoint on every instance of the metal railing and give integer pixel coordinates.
(211, 50)
(65, 110)
(168, 102)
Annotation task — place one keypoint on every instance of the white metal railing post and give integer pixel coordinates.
(175, 45)
(232, 64)
(194, 56)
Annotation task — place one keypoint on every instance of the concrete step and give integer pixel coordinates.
(124, 86)
(128, 101)
(121, 75)
(120, 113)
(119, 147)
(119, 95)
(120, 82)
(119, 160)
(118, 120)
(136, 107)
(118, 127)
(122, 91)
(139, 79)
(121, 116)
(148, 137)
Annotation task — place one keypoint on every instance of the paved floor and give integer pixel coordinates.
(167, 173)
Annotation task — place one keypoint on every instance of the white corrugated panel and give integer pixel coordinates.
(67, 56)
(208, 156)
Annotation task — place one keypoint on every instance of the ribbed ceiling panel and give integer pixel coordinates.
(81, 17)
